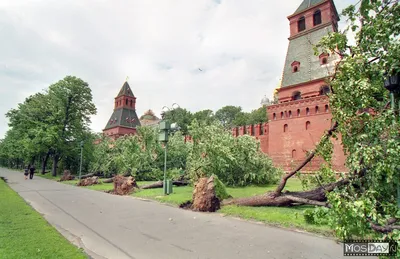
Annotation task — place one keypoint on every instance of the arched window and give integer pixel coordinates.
(131, 103)
(295, 66)
(317, 17)
(285, 128)
(290, 114)
(274, 116)
(326, 108)
(281, 115)
(324, 90)
(301, 24)
(298, 112)
(316, 109)
(323, 59)
(296, 95)
(294, 153)
(126, 101)
(307, 111)
(308, 125)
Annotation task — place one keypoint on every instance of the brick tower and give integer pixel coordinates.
(302, 114)
(124, 119)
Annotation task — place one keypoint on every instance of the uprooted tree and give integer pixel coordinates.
(362, 202)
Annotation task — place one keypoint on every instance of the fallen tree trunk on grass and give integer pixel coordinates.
(88, 181)
(110, 180)
(316, 197)
(87, 175)
(124, 185)
(160, 184)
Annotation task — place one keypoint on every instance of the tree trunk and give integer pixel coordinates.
(110, 180)
(44, 162)
(160, 184)
(55, 162)
(87, 175)
(315, 197)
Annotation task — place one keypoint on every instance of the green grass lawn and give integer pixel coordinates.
(279, 216)
(25, 234)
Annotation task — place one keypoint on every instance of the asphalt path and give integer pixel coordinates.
(109, 226)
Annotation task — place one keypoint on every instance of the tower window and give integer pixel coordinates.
(301, 24)
(307, 111)
(308, 125)
(281, 115)
(323, 59)
(296, 95)
(294, 153)
(285, 128)
(126, 101)
(324, 90)
(290, 114)
(298, 112)
(316, 109)
(274, 116)
(295, 66)
(317, 17)
(326, 108)
(131, 103)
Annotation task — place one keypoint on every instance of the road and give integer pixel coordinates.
(109, 226)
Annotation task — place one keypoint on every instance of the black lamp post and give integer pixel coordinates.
(165, 129)
(392, 84)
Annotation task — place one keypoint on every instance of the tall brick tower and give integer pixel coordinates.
(302, 114)
(124, 119)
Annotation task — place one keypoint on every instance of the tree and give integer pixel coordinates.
(180, 116)
(254, 117)
(227, 114)
(204, 116)
(236, 161)
(70, 101)
(363, 202)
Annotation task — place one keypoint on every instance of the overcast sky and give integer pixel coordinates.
(240, 46)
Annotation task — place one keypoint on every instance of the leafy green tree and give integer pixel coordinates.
(368, 127)
(227, 114)
(204, 117)
(180, 116)
(236, 161)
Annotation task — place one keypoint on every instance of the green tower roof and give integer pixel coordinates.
(125, 90)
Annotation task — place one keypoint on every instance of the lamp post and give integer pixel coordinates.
(165, 129)
(80, 166)
(392, 84)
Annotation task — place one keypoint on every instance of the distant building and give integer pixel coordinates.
(149, 119)
(124, 119)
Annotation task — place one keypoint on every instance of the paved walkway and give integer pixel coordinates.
(109, 226)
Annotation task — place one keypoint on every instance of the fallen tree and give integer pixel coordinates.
(315, 197)
(159, 184)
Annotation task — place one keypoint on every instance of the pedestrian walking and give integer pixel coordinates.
(26, 172)
(31, 171)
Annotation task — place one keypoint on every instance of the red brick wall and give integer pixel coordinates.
(288, 149)
(308, 89)
(118, 132)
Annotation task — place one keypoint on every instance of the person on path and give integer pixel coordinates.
(26, 172)
(31, 171)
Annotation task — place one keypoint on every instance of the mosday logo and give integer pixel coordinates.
(369, 248)
(378, 248)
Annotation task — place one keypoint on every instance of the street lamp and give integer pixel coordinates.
(80, 166)
(165, 129)
(392, 84)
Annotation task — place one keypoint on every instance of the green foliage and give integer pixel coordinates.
(317, 216)
(226, 115)
(369, 130)
(51, 123)
(220, 189)
(254, 117)
(236, 161)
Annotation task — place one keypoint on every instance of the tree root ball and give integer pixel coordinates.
(67, 176)
(204, 196)
(124, 185)
(89, 181)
